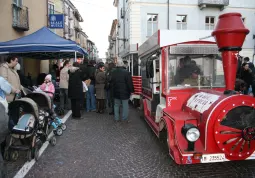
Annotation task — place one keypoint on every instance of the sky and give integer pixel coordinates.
(98, 16)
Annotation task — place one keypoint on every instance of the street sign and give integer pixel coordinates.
(56, 21)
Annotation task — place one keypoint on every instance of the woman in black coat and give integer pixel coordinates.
(75, 89)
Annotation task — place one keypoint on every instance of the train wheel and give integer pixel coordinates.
(234, 134)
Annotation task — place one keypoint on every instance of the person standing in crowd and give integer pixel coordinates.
(84, 67)
(111, 68)
(122, 85)
(251, 65)
(100, 88)
(8, 72)
(90, 96)
(5, 89)
(63, 85)
(247, 76)
(75, 90)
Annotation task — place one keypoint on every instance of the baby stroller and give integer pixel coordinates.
(46, 111)
(23, 126)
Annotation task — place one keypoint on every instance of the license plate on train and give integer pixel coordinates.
(212, 158)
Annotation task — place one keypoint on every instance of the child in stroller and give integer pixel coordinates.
(48, 87)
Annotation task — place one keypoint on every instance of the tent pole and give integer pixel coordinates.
(75, 58)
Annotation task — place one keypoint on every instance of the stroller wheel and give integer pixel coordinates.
(6, 155)
(63, 127)
(29, 155)
(14, 155)
(58, 132)
(36, 153)
(53, 141)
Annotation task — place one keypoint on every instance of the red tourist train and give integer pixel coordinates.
(188, 96)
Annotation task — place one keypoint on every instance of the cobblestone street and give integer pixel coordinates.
(98, 147)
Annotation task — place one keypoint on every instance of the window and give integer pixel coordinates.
(194, 70)
(209, 23)
(152, 24)
(17, 2)
(50, 8)
(181, 21)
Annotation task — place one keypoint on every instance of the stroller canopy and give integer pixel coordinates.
(42, 99)
(28, 106)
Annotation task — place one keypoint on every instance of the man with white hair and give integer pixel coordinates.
(122, 85)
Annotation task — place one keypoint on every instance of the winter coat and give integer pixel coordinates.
(12, 77)
(91, 72)
(48, 87)
(64, 77)
(75, 85)
(5, 88)
(100, 85)
(247, 76)
(121, 82)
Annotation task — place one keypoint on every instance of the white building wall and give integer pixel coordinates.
(137, 11)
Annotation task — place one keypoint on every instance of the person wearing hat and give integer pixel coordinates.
(48, 86)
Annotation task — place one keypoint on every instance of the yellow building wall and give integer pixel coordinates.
(37, 10)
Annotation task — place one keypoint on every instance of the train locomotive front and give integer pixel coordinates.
(204, 124)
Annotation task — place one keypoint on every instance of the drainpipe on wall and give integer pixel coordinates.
(168, 14)
(124, 12)
(47, 18)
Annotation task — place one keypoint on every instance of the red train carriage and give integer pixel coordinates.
(188, 98)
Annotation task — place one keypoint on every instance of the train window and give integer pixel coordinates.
(195, 71)
(145, 80)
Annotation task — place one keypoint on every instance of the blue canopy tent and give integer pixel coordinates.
(42, 44)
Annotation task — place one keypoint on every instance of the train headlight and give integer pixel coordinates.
(191, 134)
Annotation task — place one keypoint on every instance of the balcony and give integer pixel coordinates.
(221, 4)
(77, 26)
(20, 18)
(70, 16)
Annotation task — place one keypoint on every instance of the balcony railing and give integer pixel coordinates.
(20, 18)
(213, 3)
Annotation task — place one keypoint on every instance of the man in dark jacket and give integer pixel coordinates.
(122, 85)
(75, 90)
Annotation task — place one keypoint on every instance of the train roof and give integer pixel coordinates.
(164, 38)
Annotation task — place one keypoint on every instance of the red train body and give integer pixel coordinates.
(200, 118)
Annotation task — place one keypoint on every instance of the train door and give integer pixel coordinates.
(150, 85)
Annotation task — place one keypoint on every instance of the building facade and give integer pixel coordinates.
(139, 19)
(113, 42)
(20, 18)
(92, 50)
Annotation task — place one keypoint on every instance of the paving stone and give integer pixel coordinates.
(97, 147)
